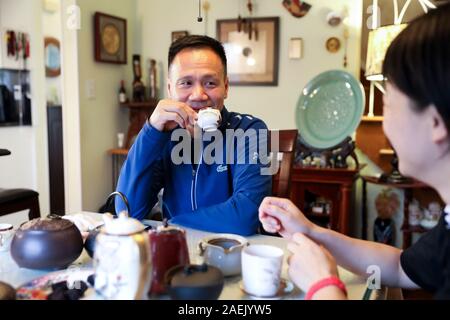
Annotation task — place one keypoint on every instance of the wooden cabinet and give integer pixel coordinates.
(138, 114)
(413, 190)
(333, 184)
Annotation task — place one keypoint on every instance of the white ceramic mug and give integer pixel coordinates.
(6, 235)
(208, 119)
(261, 270)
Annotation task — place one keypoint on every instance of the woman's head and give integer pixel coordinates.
(418, 61)
(417, 102)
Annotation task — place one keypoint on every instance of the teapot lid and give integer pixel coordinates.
(49, 223)
(165, 228)
(192, 275)
(123, 225)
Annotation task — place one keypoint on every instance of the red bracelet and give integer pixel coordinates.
(330, 281)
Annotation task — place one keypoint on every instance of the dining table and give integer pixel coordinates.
(356, 285)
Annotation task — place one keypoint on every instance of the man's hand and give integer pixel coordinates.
(282, 216)
(169, 114)
(309, 262)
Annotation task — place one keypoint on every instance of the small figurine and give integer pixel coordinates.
(138, 86)
(415, 214)
(387, 204)
(152, 76)
(431, 215)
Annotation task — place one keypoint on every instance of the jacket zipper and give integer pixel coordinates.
(194, 184)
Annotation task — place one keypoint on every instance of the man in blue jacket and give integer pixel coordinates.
(222, 196)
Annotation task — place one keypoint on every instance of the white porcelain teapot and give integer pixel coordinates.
(122, 258)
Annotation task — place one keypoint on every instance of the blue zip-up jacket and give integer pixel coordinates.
(211, 197)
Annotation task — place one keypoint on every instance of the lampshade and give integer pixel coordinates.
(379, 41)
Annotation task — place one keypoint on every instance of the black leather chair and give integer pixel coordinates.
(15, 200)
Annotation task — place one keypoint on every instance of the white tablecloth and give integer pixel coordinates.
(356, 286)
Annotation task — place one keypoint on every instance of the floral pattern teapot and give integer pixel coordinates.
(122, 258)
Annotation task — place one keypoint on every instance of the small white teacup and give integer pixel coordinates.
(6, 235)
(261, 270)
(208, 119)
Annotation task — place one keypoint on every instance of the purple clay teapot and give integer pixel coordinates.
(48, 243)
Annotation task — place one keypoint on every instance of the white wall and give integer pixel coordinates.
(28, 165)
(100, 118)
(275, 105)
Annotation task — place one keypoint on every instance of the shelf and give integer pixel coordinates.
(386, 152)
(414, 229)
(150, 104)
(412, 184)
(317, 215)
(372, 119)
(123, 152)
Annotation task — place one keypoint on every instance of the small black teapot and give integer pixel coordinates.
(194, 282)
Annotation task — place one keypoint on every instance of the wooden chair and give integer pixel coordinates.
(14, 200)
(281, 181)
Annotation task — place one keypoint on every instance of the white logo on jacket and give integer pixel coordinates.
(221, 168)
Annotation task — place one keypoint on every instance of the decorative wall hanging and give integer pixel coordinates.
(52, 57)
(296, 7)
(333, 44)
(334, 18)
(110, 38)
(251, 61)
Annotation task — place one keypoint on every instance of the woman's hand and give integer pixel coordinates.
(169, 114)
(282, 216)
(309, 262)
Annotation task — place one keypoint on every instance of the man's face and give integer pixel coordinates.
(197, 78)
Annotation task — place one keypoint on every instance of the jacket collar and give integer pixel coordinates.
(225, 114)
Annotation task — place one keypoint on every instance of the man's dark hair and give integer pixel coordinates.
(196, 41)
(418, 61)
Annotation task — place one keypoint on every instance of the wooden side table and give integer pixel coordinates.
(411, 189)
(332, 183)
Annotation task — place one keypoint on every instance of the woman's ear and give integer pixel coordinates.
(439, 132)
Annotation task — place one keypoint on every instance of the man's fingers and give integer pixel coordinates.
(172, 116)
(181, 111)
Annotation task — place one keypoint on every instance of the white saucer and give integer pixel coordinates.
(286, 287)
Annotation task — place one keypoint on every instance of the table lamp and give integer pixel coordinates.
(379, 41)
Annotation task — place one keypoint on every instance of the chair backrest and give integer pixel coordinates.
(281, 181)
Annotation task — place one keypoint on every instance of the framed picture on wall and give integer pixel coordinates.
(252, 50)
(179, 34)
(110, 38)
(52, 57)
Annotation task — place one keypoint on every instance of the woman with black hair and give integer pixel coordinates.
(417, 123)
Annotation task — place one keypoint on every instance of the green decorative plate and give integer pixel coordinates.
(329, 109)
